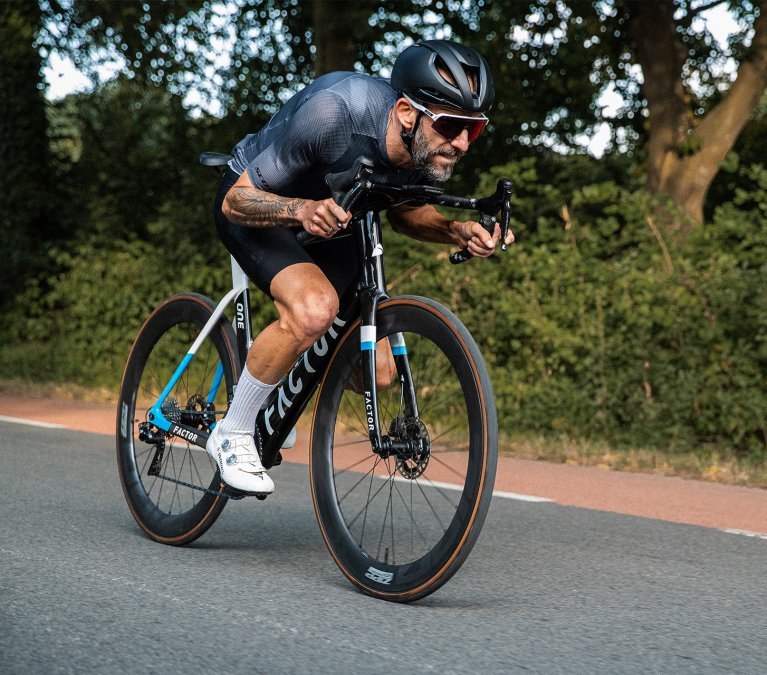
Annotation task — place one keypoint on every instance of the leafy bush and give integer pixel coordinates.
(82, 328)
(598, 324)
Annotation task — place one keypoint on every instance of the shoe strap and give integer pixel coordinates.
(249, 458)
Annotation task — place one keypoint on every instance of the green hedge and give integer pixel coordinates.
(598, 324)
(79, 326)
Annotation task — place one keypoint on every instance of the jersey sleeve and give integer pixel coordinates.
(316, 134)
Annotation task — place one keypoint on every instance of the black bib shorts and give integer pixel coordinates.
(263, 252)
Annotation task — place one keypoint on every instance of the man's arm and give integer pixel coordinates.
(425, 223)
(246, 204)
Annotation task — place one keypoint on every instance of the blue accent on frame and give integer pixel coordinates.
(158, 419)
(367, 346)
(399, 351)
(216, 382)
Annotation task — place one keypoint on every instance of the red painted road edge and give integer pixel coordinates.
(676, 500)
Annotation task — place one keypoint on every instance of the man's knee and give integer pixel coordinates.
(309, 315)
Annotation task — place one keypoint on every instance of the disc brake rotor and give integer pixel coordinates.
(415, 432)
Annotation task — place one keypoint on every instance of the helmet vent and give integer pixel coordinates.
(472, 75)
(444, 71)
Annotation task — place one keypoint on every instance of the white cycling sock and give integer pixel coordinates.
(248, 398)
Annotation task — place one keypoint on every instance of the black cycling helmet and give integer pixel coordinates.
(416, 73)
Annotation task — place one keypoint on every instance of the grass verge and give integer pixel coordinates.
(52, 390)
(708, 465)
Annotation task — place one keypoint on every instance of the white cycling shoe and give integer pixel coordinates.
(238, 462)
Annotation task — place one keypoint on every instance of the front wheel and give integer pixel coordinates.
(400, 526)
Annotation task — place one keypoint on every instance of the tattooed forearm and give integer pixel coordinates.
(250, 206)
(294, 206)
(424, 223)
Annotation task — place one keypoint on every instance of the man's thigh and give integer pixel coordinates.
(264, 252)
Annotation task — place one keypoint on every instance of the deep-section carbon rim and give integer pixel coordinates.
(399, 527)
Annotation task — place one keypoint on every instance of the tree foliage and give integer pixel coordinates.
(554, 61)
(556, 58)
(28, 220)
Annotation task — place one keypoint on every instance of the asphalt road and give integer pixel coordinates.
(548, 588)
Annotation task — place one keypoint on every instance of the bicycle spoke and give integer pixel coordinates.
(413, 521)
(348, 443)
(370, 472)
(449, 430)
(340, 472)
(450, 468)
(440, 491)
(369, 502)
(428, 501)
(386, 517)
(174, 496)
(149, 454)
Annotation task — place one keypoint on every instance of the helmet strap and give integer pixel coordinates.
(408, 136)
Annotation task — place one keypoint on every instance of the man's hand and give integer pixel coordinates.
(323, 218)
(477, 239)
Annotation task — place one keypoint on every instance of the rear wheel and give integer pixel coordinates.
(170, 491)
(400, 526)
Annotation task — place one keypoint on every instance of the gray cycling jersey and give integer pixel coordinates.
(323, 129)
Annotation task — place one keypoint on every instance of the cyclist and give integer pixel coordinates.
(417, 126)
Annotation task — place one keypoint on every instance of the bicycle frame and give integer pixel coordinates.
(291, 396)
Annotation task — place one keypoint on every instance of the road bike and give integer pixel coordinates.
(401, 471)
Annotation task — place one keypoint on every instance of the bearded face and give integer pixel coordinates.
(437, 163)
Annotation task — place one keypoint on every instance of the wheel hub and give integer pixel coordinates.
(411, 432)
(198, 413)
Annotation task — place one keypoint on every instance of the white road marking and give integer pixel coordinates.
(31, 423)
(746, 533)
(496, 493)
(522, 498)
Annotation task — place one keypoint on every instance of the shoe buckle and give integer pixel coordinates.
(232, 459)
(225, 444)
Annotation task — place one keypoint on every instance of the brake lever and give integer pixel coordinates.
(507, 187)
(499, 199)
(487, 222)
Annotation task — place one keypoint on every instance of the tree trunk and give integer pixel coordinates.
(334, 29)
(684, 154)
(25, 196)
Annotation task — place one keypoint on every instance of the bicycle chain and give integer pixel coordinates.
(218, 493)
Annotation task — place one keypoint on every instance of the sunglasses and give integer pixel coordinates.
(451, 126)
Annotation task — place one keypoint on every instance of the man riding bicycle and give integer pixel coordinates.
(417, 126)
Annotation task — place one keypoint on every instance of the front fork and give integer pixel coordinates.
(371, 292)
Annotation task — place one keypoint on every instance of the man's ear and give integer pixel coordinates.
(406, 114)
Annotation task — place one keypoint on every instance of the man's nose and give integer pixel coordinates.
(461, 141)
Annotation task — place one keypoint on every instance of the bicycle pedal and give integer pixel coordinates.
(234, 493)
(231, 493)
